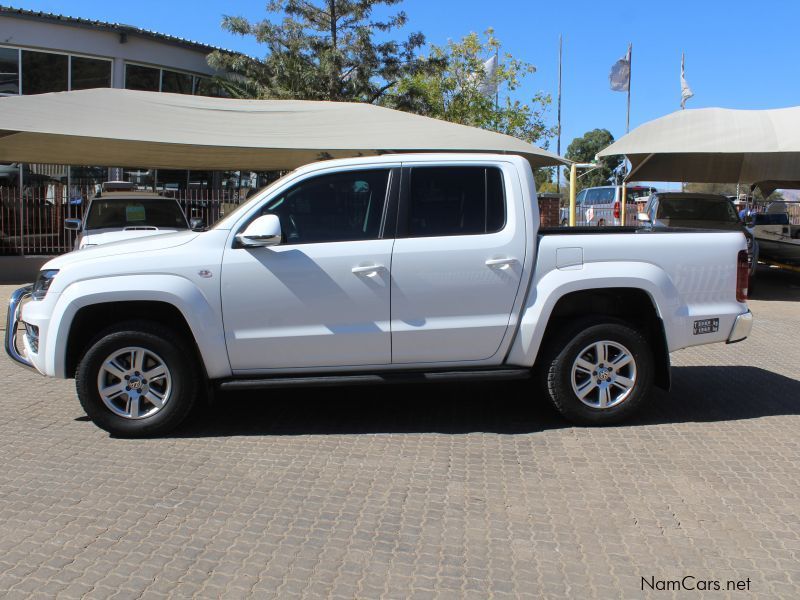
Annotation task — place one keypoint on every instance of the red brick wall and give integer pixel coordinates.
(548, 212)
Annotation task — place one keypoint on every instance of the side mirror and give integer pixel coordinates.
(197, 225)
(264, 231)
(72, 224)
(643, 217)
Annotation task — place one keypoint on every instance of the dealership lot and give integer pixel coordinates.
(448, 491)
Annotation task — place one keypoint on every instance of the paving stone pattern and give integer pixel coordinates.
(452, 491)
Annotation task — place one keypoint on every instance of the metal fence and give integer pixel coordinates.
(32, 218)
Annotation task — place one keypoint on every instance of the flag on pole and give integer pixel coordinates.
(686, 91)
(620, 77)
(488, 86)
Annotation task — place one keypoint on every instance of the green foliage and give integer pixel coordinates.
(452, 87)
(584, 149)
(319, 50)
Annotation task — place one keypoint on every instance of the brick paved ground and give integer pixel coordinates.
(479, 491)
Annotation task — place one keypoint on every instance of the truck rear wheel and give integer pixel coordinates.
(138, 379)
(599, 372)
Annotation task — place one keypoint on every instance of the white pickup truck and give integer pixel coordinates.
(427, 267)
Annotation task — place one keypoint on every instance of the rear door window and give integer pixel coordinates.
(445, 201)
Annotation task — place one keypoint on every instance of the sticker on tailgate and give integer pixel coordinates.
(706, 326)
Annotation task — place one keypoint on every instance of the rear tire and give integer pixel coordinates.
(598, 372)
(138, 379)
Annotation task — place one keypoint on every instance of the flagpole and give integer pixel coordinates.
(497, 86)
(624, 194)
(558, 168)
(630, 69)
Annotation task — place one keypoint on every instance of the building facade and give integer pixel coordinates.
(44, 52)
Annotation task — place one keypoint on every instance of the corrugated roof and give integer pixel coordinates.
(10, 11)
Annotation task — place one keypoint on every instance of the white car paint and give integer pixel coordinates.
(97, 237)
(411, 302)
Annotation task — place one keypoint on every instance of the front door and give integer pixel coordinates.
(457, 265)
(321, 297)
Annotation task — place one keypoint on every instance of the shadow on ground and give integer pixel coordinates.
(699, 394)
(775, 284)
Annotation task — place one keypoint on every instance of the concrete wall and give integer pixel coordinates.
(28, 33)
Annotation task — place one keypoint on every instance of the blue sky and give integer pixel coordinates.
(739, 53)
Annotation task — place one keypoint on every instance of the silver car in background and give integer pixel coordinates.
(601, 206)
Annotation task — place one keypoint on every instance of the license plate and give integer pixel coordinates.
(706, 326)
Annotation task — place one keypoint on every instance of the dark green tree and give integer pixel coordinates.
(584, 149)
(320, 50)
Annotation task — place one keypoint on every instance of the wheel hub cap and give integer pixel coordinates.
(134, 382)
(604, 374)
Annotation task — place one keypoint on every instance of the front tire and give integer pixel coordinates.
(599, 372)
(138, 379)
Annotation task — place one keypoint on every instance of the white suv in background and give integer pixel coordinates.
(601, 205)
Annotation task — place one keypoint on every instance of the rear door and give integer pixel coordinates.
(457, 262)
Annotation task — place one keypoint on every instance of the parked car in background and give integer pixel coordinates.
(601, 206)
(698, 211)
(777, 239)
(121, 214)
(337, 274)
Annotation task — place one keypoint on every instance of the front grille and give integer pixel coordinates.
(32, 335)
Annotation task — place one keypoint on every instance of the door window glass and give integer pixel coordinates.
(456, 201)
(338, 207)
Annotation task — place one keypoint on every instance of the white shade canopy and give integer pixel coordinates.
(126, 128)
(715, 145)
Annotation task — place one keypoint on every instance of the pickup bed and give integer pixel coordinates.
(425, 267)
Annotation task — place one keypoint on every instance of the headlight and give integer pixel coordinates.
(43, 283)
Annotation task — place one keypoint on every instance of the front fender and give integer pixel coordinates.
(201, 313)
(556, 284)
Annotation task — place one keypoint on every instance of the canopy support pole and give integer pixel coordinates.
(573, 186)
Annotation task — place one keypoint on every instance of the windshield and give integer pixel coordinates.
(697, 209)
(119, 213)
(225, 222)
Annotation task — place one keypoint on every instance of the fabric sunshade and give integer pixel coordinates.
(126, 128)
(715, 145)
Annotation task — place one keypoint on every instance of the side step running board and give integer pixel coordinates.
(375, 379)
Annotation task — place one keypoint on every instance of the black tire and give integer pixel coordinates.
(563, 351)
(179, 359)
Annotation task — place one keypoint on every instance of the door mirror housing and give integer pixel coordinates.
(264, 231)
(72, 224)
(197, 225)
(643, 217)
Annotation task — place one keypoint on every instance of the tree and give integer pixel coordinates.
(584, 149)
(454, 86)
(319, 50)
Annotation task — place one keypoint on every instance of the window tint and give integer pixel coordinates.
(600, 196)
(88, 73)
(43, 72)
(332, 208)
(142, 78)
(456, 201)
(9, 71)
(697, 209)
(581, 197)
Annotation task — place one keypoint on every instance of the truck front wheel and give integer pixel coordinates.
(599, 372)
(137, 379)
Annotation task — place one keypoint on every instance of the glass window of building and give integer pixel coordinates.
(142, 78)
(9, 71)
(44, 72)
(90, 73)
(176, 83)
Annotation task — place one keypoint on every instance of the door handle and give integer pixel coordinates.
(369, 270)
(501, 263)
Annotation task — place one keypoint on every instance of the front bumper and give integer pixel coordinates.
(12, 322)
(741, 327)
